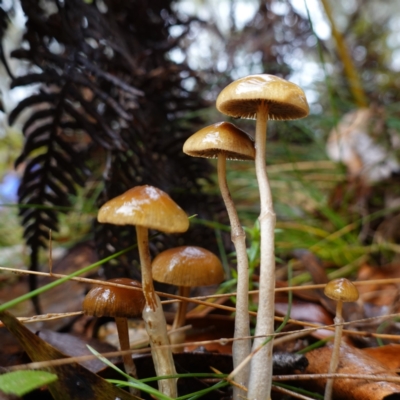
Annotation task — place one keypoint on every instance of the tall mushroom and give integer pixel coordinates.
(148, 207)
(226, 141)
(186, 267)
(263, 97)
(119, 303)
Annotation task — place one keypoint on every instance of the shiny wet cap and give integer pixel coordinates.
(113, 301)
(146, 206)
(341, 290)
(241, 98)
(187, 266)
(222, 137)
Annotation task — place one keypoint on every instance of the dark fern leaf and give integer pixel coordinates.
(109, 95)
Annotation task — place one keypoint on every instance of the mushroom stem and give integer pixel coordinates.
(261, 363)
(123, 335)
(180, 316)
(336, 349)
(241, 348)
(145, 266)
(179, 320)
(154, 319)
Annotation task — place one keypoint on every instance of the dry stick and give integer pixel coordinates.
(154, 318)
(261, 363)
(198, 300)
(241, 349)
(290, 393)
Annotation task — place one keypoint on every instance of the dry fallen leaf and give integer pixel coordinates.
(353, 361)
(388, 355)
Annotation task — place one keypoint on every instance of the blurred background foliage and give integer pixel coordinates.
(335, 193)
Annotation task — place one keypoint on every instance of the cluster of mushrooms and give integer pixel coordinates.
(261, 97)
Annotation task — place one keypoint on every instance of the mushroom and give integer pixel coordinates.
(119, 303)
(148, 207)
(341, 290)
(185, 267)
(263, 97)
(224, 141)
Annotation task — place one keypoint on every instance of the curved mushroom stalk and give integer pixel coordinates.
(227, 142)
(263, 97)
(162, 357)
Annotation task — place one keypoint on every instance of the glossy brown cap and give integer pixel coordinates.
(241, 98)
(112, 301)
(341, 290)
(222, 137)
(188, 266)
(146, 206)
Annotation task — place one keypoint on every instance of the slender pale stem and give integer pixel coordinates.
(336, 350)
(123, 335)
(154, 319)
(179, 320)
(180, 316)
(261, 363)
(241, 348)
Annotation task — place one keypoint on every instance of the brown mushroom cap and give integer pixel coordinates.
(341, 290)
(187, 266)
(241, 98)
(146, 206)
(112, 301)
(222, 137)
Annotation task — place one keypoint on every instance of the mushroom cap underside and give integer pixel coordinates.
(222, 137)
(242, 98)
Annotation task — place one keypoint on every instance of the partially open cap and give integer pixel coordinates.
(113, 301)
(146, 206)
(341, 290)
(222, 137)
(187, 266)
(241, 98)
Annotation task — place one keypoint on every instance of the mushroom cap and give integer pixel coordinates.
(187, 266)
(241, 98)
(112, 301)
(222, 137)
(146, 206)
(341, 290)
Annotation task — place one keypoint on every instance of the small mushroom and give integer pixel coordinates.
(263, 97)
(119, 303)
(342, 291)
(185, 267)
(148, 207)
(226, 141)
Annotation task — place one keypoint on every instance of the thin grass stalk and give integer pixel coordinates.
(350, 70)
